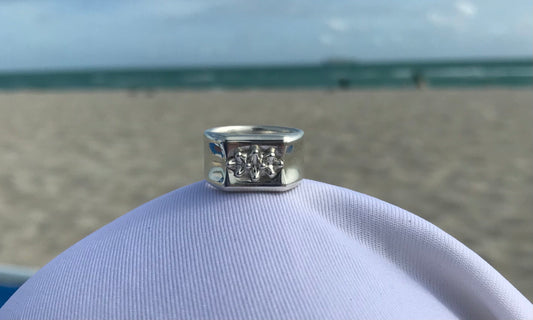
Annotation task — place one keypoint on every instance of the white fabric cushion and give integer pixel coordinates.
(315, 252)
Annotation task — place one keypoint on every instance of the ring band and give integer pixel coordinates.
(253, 158)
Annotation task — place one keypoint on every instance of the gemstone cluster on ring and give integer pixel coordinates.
(253, 158)
(252, 163)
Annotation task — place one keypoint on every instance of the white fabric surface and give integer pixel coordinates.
(315, 252)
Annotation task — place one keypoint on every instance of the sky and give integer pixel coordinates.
(79, 34)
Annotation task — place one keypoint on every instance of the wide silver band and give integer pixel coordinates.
(253, 158)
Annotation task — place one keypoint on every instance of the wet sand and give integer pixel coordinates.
(71, 162)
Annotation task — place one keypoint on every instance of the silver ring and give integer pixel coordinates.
(253, 158)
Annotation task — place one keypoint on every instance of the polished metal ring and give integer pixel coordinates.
(253, 158)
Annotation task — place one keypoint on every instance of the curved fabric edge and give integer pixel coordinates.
(460, 277)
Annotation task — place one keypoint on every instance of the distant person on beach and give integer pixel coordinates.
(418, 79)
(343, 83)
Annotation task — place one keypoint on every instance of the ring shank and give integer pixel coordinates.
(254, 132)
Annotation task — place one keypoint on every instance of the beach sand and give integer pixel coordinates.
(71, 162)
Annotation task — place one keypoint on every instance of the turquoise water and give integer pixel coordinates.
(510, 73)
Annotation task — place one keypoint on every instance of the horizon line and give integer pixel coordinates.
(333, 62)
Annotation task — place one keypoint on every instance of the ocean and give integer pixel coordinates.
(331, 75)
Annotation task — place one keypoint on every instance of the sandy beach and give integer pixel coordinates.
(70, 162)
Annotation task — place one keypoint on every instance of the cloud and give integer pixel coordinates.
(378, 41)
(438, 19)
(181, 8)
(77, 33)
(326, 39)
(466, 8)
(498, 30)
(338, 24)
(457, 18)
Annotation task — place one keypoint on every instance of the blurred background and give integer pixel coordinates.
(425, 104)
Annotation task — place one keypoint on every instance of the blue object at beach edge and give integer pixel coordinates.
(5, 293)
